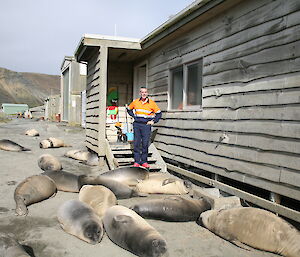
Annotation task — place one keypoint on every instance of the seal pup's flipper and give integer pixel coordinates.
(122, 219)
(168, 181)
(242, 245)
(136, 193)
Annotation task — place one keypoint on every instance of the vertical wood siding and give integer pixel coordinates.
(251, 95)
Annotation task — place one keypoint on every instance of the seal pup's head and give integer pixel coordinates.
(92, 232)
(155, 247)
(45, 144)
(207, 218)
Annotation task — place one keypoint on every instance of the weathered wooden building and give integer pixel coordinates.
(73, 82)
(226, 74)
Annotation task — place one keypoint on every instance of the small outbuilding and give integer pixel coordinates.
(73, 82)
(9, 108)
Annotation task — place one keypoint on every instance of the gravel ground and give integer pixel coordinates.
(40, 231)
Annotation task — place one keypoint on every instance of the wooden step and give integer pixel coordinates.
(130, 160)
(116, 146)
(153, 167)
(126, 154)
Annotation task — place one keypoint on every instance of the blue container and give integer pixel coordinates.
(130, 136)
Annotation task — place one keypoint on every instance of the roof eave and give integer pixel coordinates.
(183, 17)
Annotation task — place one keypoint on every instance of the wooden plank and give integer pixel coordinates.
(92, 126)
(160, 74)
(208, 45)
(91, 114)
(91, 133)
(160, 98)
(91, 146)
(92, 141)
(158, 84)
(290, 177)
(239, 18)
(159, 89)
(273, 54)
(93, 97)
(92, 89)
(254, 72)
(231, 165)
(93, 76)
(235, 154)
(131, 160)
(282, 189)
(276, 208)
(265, 98)
(269, 128)
(163, 106)
(248, 113)
(259, 143)
(93, 60)
(118, 147)
(254, 46)
(287, 81)
(93, 65)
(92, 105)
(112, 162)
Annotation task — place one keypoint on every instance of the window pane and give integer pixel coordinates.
(177, 89)
(194, 84)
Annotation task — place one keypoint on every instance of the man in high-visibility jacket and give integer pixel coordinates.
(145, 113)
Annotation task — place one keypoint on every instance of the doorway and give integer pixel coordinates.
(140, 78)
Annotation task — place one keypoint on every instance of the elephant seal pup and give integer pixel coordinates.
(163, 185)
(93, 160)
(49, 162)
(8, 145)
(254, 227)
(130, 176)
(33, 189)
(80, 155)
(131, 232)
(52, 142)
(64, 181)
(80, 220)
(99, 198)
(32, 133)
(120, 190)
(9, 247)
(172, 208)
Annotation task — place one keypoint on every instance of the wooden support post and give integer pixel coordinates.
(103, 53)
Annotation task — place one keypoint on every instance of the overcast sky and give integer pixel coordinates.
(37, 34)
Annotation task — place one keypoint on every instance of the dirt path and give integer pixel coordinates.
(40, 229)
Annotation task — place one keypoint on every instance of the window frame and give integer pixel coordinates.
(184, 67)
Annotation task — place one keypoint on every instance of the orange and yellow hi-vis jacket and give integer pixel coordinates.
(142, 112)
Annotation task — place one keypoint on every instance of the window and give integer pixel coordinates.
(177, 87)
(186, 86)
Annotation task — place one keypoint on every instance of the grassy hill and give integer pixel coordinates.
(27, 88)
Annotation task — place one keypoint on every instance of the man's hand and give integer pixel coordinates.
(150, 122)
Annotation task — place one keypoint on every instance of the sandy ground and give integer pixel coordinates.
(40, 230)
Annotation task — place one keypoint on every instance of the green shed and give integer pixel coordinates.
(14, 108)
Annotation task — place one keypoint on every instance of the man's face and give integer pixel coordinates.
(143, 93)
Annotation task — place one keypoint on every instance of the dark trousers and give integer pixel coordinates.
(142, 134)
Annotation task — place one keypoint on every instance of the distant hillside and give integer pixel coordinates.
(27, 88)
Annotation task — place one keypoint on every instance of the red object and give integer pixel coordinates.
(146, 165)
(57, 117)
(136, 165)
